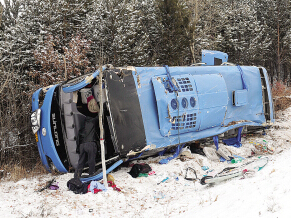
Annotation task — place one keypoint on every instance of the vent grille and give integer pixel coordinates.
(184, 85)
(184, 122)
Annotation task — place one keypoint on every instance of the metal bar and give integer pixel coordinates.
(102, 130)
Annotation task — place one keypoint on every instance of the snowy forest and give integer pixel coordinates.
(41, 40)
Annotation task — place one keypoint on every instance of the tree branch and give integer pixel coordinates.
(5, 83)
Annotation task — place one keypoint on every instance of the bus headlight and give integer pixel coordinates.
(35, 120)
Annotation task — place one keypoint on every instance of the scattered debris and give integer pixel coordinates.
(79, 187)
(110, 178)
(164, 180)
(177, 152)
(205, 168)
(159, 195)
(152, 173)
(48, 185)
(264, 148)
(231, 172)
(139, 169)
(191, 177)
(54, 186)
(211, 153)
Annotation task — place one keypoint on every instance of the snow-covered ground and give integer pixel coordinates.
(265, 194)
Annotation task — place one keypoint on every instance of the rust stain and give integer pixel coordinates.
(138, 82)
(237, 122)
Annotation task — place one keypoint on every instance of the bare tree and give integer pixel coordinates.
(190, 30)
(203, 28)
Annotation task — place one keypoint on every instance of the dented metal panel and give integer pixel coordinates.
(175, 112)
(212, 98)
(214, 109)
(200, 103)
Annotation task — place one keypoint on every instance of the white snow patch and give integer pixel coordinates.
(266, 194)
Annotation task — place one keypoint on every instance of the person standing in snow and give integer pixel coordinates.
(87, 140)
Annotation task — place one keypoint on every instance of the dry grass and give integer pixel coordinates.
(280, 94)
(16, 172)
(279, 89)
(282, 103)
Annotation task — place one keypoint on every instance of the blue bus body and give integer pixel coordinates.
(147, 109)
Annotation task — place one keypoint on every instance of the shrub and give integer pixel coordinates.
(61, 63)
(281, 94)
(279, 89)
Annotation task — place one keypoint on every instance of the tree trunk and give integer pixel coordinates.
(278, 51)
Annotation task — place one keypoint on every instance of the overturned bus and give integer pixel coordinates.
(147, 109)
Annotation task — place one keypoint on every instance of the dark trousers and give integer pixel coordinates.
(87, 152)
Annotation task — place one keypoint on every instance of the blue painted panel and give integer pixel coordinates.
(213, 99)
(212, 117)
(208, 56)
(82, 83)
(211, 90)
(178, 112)
(240, 97)
(254, 109)
(189, 109)
(234, 117)
(35, 105)
(47, 140)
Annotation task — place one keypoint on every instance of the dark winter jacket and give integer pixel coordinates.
(77, 186)
(88, 132)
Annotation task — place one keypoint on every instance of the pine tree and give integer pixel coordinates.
(174, 18)
(149, 16)
(133, 37)
(9, 16)
(36, 20)
(101, 28)
(276, 16)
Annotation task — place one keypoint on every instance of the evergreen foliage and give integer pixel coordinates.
(174, 17)
(149, 32)
(43, 42)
